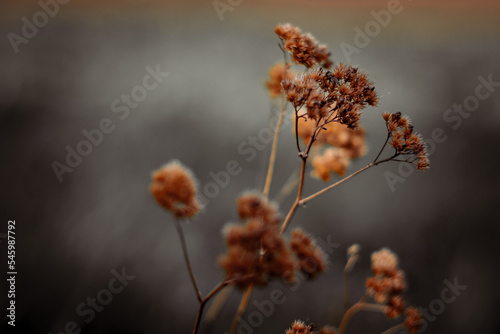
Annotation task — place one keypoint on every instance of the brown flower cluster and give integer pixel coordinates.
(404, 140)
(299, 327)
(332, 160)
(311, 258)
(347, 144)
(257, 251)
(388, 282)
(413, 320)
(304, 49)
(336, 96)
(277, 74)
(387, 286)
(175, 188)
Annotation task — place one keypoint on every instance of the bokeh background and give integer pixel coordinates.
(443, 224)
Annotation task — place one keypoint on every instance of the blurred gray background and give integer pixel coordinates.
(70, 235)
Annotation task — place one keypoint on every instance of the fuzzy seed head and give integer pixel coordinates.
(174, 188)
(413, 320)
(384, 261)
(299, 327)
(311, 258)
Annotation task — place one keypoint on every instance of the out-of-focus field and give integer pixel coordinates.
(443, 223)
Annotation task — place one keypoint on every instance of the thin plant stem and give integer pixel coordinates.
(272, 159)
(218, 303)
(186, 258)
(307, 199)
(383, 146)
(241, 308)
(297, 130)
(347, 291)
(295, 205)
(203, 302)
(303, 156)
(274, 149)
(394, 329)
(359, 306)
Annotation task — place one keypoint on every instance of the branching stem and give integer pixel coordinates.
(203, 302)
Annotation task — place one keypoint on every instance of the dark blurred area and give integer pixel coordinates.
(97, 220)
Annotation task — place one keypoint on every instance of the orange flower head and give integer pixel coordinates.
(304, 48)
(175, 188)
(254, 205)
(299, 327)
(311, 258)
(413, 320)
(277, 74)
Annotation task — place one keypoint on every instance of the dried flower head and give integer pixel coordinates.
(299, 327)
(311, 258)
(304, 49)
(405, 141)
(413, 320)
(333, 160)
(277, 74)
(337, 96)
(257, 250)
(388, 282)
(352, 257)
(384, 261)
(395, 307)
(254, 205)
(256, 253)
(175, 188)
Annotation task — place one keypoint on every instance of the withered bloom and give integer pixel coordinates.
(299, 327)
(175, 188)
(256, 250)
(256, 253)
(304, 49)
(337, 96)
(405, 141)
(413, 320)
(253, 205)
(333, 160)
(311, 258)
(388, 282)
(277, 74)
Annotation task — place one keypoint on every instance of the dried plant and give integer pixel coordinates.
(327, 102)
